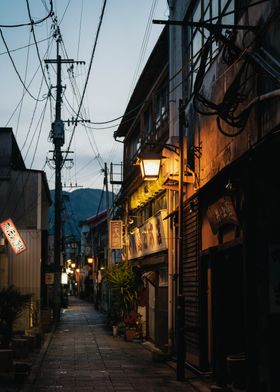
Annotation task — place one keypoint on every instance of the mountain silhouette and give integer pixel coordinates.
(78, 205)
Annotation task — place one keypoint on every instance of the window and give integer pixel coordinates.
(196, 37)
(148, 123)
(161, 105)
(132, 145)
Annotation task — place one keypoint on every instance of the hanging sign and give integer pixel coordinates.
(148, 238)
(222, 213)
(13, 236)
(116, 234)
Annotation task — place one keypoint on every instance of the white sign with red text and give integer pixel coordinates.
(13, 236)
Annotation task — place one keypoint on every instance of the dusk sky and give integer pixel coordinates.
(126, 39)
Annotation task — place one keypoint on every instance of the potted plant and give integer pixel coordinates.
(133, 326)
(12, 303)
(126, 284)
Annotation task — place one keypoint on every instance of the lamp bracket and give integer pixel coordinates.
(197, 151)
(168, 146)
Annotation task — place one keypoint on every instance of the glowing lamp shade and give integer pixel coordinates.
(90, 260)
(150, 166)
(64, 278)
(73, 265)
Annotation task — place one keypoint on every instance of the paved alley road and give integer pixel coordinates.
(83, 356)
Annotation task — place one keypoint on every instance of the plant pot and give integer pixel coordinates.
(115, 331)
(130, 334)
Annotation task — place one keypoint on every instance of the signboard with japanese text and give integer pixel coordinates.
(274, 279)
(49, 278)
(13, 236)
(116, 234)
(222, 213)
(148, 238)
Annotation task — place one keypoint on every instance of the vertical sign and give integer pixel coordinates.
(13, 236)
(115, 234)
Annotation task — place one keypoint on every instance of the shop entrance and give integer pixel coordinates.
(227, 308)
(151, 317)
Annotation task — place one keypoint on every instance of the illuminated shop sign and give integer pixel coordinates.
(148, 238)
(13, 236)
(116, 233)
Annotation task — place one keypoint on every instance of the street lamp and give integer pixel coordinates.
(150, 166)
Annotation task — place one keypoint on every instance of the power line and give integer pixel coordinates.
(15, 68)
(35, 41)
(29, 24)
(90, 65)
(25, 46)
(143, 46)
(23, 92)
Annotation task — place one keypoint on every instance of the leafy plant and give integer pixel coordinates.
(12, 303)
(126, 284)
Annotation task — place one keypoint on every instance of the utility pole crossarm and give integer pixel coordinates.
(207, 25)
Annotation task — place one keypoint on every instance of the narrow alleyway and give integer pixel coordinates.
(83, 356)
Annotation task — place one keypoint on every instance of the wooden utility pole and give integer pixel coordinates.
(58, 140)
(109, 254)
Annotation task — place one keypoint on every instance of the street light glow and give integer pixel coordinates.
(150, 166)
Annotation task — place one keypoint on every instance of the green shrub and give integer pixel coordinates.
(126, 284)
(12, 303)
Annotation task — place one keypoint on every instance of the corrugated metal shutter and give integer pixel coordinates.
(191, 273)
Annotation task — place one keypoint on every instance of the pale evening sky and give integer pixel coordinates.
(126, 32)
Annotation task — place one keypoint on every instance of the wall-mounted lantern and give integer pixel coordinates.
(150, 166)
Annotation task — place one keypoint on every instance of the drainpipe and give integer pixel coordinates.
(170, 233)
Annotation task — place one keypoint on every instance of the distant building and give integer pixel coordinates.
(94, 257)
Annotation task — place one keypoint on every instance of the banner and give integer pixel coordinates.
(13, 236)
(116, 234)
(148, 238)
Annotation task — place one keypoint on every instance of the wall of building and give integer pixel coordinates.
(25, 274)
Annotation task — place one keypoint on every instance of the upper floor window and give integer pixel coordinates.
(132, 145)
(161, 105)
(212, 11)
(148, 122)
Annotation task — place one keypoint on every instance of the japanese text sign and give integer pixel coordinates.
(13, 236)
(116, 234)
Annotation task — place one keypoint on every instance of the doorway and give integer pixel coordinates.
(151, 312)
(227, 308)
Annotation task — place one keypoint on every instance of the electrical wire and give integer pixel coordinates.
(29, 24)
(80, 29)
(90, 66)
(23, 92)
(36, 44)
(24, 47)
(15, 68)
(143, 46)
